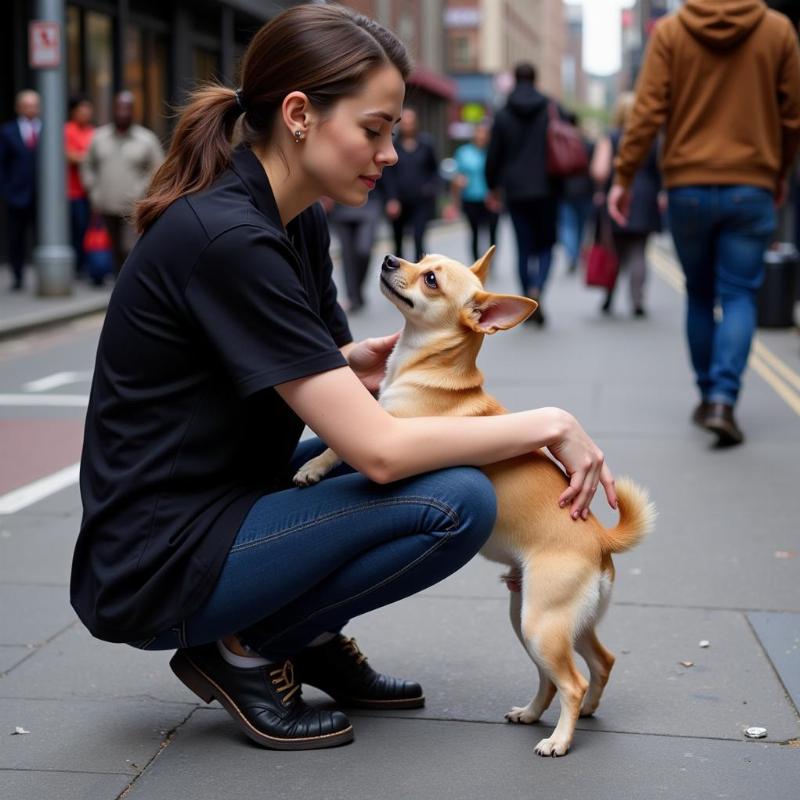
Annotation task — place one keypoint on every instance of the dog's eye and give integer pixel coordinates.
(430, 280)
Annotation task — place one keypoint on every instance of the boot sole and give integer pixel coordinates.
(355, 702)
(725, 436)
(207, 689)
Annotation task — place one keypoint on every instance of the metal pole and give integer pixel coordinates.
(53, 256)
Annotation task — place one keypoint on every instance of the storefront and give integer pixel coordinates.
(155, 48)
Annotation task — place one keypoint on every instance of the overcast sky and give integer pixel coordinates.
(601, 34)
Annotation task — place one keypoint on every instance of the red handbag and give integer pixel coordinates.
(566, 151)
(602, 263)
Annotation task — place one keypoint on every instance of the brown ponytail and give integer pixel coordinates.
(325, 51)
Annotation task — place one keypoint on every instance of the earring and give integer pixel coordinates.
(298, 137)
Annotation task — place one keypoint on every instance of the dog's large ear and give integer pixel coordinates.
(488, 312)
(481, 266)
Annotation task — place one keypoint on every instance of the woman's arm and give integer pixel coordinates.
(340, 410)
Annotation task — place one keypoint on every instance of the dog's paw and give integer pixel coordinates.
(308, 475)
(552, 747)
(588, 710)
(523, 716)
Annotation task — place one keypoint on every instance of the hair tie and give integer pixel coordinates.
(239, 101)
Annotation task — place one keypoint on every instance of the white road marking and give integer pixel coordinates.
(25, 496)
(66, 400)
(56, 380)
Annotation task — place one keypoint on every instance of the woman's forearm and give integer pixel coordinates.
(420, 444)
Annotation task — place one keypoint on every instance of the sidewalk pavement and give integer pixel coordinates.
(722, 566)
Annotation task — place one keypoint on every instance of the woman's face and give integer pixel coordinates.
(346, 151)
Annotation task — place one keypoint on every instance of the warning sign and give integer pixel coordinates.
(44, 44)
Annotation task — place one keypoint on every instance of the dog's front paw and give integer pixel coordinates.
(524, 716)
(552, 747)
(308, 474)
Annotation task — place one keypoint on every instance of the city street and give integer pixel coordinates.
(86, 720)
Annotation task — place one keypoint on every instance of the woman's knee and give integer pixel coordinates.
(471, 495)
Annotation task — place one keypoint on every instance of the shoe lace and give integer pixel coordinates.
(283, 681)
(352, 649)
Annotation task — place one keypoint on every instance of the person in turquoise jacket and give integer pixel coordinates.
(471, 191)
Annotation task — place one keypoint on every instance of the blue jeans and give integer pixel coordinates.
(307, 560)
(572, 217)
(530, 237)
(721, 233)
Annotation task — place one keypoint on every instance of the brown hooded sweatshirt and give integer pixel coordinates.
(723, 77)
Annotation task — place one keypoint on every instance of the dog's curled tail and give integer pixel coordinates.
(636, 518)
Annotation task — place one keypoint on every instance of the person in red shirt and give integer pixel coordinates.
(78, 133)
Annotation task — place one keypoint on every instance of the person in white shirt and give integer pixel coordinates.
(117, 170)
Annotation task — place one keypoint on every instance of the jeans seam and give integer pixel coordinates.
(447, 536)
(444, 508)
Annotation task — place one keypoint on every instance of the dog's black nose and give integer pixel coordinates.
(390, 263)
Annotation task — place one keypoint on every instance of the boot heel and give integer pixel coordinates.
(191, 677)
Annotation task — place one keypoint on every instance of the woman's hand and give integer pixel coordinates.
(584, 462)
(368, 359)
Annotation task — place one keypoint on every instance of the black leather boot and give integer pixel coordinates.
(264, 701)
(341, 670)
(720, 420)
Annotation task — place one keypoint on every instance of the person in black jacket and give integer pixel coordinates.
(19, 143)
(410, 186)
(517, 164)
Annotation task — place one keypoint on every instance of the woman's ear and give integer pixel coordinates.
(296, 109)
(489, 313)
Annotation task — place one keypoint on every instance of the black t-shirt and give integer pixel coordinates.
(216, 305)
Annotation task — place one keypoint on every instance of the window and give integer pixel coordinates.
(99, 64)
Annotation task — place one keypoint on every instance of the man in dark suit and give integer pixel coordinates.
(19, 142)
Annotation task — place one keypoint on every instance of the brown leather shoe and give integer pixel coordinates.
(700, 413)
(719, 420)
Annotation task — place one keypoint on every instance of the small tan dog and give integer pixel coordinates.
(561, 569)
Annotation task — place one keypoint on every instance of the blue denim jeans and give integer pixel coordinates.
(573, 214)
(721, 233)
(307, 560)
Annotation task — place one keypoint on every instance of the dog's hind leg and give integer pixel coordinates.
(550, 638)
(600, 663)
(547, 690)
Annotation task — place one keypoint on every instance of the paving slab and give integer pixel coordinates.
(36, 548)
(35, 784)
(715, 540)
(75, 666)
(779, 635)
(398, 759)
(473, 668)
(43, 611)
(84, 736)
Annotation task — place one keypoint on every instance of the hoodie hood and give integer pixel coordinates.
(525, 101)
(721, 24)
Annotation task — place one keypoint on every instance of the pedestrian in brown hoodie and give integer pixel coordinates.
(723, 79)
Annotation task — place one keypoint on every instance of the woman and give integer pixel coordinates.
(630, 241)
(223, 338)
(471, 191)
(78, 131)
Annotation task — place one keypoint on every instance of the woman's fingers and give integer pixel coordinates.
(607, 480)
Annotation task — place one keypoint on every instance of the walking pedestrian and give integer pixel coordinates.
(630, 239)
(723, 77)
(355, 228)
(471, 192)
(412, 184)
(517, 164)
(223, 338)
(121, 160)
(575, 205)
(19, 144)
(78, 132)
